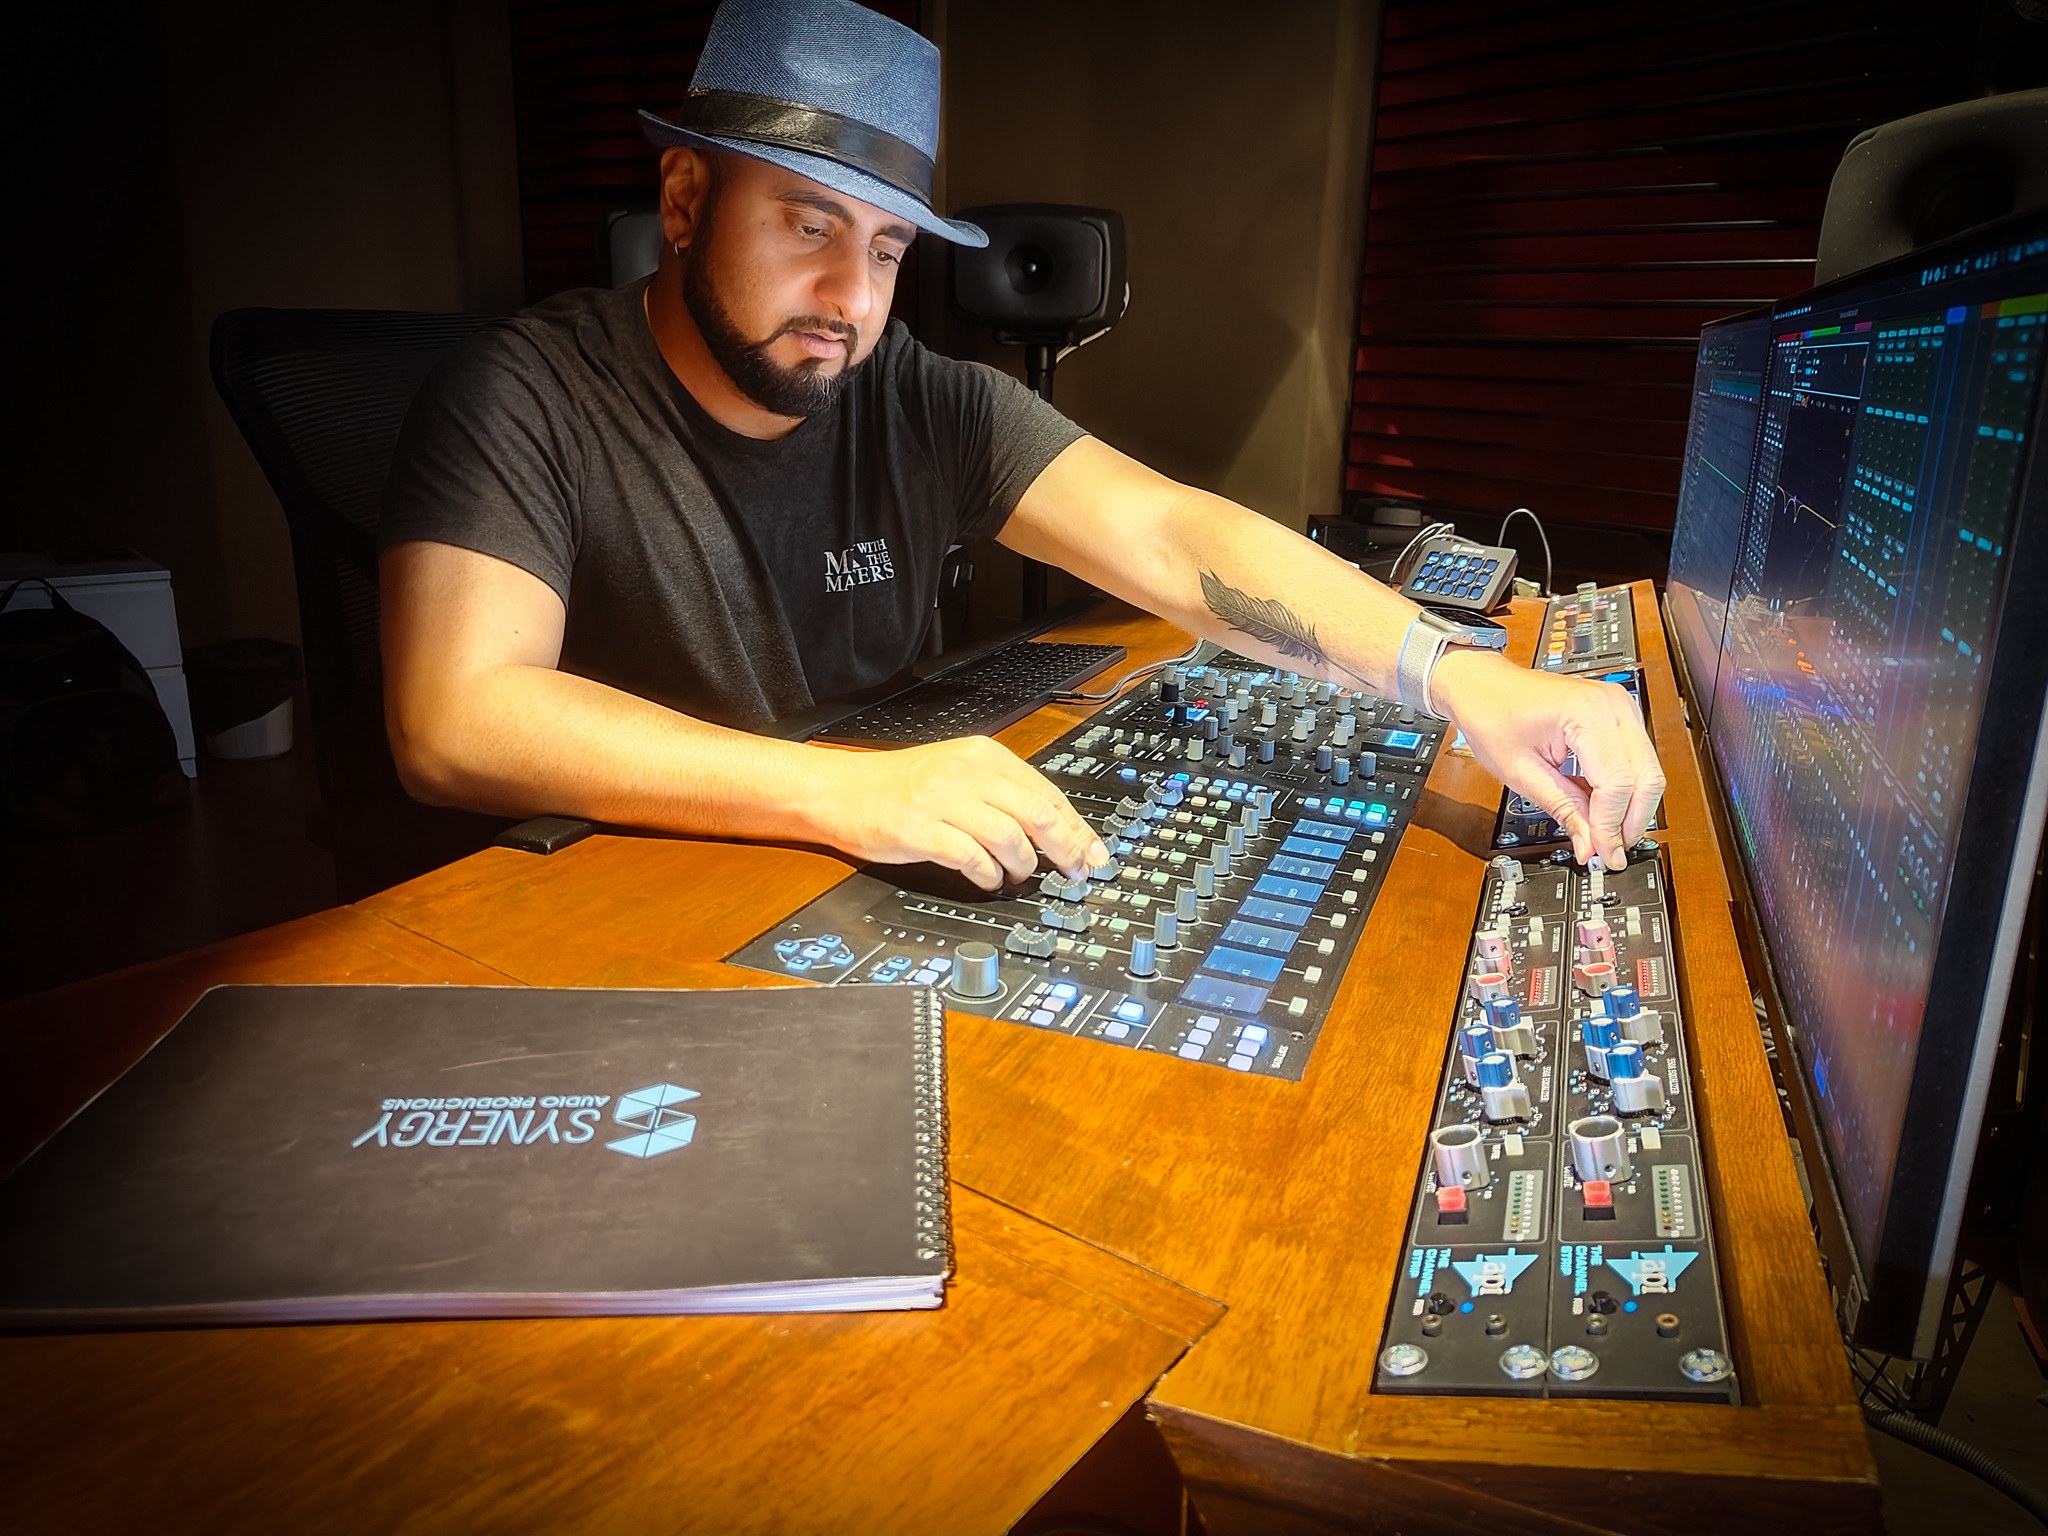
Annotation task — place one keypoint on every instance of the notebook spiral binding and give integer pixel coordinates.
(934, 1218)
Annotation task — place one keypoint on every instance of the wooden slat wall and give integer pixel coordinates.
(580, 68)
(1563, 192)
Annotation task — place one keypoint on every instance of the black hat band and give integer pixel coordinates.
(788, 125)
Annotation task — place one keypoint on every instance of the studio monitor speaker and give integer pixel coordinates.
(1050, 273)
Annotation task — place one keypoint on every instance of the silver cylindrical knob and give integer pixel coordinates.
(1368, 765)
(1340, 771)
(1144, 961)
(1235, 837)
(1237, 755)
(1205, 880)
(1459, 1152)
(977, 972)
(1166, 930)
(1269, 713)
(1184, 904)
(1266, 750)
(1303, 724)
(1600, 1149)
(1219, 857)
(1324, 758)
(1251, 820)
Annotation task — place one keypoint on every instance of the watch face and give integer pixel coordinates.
(1472, 628)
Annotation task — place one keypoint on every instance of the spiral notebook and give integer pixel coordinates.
(295, 1154)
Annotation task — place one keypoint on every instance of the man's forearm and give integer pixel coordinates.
(521, 740)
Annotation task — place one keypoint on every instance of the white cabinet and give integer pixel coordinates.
(131, 595)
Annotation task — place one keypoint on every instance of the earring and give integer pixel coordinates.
(678, 247)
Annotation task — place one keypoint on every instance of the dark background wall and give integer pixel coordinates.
(1561, 194)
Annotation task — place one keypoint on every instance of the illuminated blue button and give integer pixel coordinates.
(1127, 774)
(1182, 777)
(1065, 991)
(881, 973)
(1312, 804)
(1253, 1034)
(1240, 1063)
(1375, 814)
(788, 947)
(1117, 1031)
(1354, 813)
(815, 951)
(796, 963)
(842, 956)
(943, 963)
(898, 962)
(1199, 1037)
(925, 977)
(1042, 1016)
(1235, 792)
(830, 940)
(1191, 1052)
(1131, 1011)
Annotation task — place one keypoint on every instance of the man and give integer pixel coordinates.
(625, 526)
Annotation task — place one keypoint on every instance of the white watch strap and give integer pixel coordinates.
(1420, 648)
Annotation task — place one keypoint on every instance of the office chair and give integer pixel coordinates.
(628, 246)
(1924, 178)
(320, 396)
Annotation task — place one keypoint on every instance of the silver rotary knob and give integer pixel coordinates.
(1144, 957)
(977, 972)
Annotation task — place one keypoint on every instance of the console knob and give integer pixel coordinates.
(1324, 758)
(1474, 1041)
(1509, 870)
(1251, 820)
(1601, 1035)
(1302, 726)
(1205, 880)
(1184, 904)
(1143, 961)
(1340, 771)
(1237, 754)
(1219, 857)
(1210, 728)
(1510, 1034)
(1502, 1094)
(1266, 750)
(1194, 752)
(1262, 801)
(1166, 930)
(1623, 1002)
(1486, 985)
(1169, 687)
(977, 972)
(1600, 1149)
(1636, 1092)
(1269, 713)
(1235, 837)
(1459, 1152)
(1368, 765)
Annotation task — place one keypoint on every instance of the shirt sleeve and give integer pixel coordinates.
(484, 461)
(1026, 434)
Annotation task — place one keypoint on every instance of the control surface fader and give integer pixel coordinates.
(1559, 1244)
(1250, 817)
(1593, 630)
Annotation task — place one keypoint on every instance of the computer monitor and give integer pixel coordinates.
(1713, 493)
(1878, 725)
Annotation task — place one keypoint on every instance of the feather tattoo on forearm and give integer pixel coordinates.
(1271, 622)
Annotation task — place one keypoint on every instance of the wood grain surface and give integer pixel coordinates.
(953, 1420)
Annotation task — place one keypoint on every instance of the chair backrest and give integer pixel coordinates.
(1909, 183)
(320, 396)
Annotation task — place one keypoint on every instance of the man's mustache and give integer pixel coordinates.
(823, 325)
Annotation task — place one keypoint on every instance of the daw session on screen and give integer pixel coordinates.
(1415, 915)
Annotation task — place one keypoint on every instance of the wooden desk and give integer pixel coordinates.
(1284, 1202)
(955, 1420)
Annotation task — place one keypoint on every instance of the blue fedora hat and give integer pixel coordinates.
(827, 89)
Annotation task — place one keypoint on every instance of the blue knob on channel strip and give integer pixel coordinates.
(1636, 1092)
(1475, 1041)
(1503, 1095)
(1601, 1035)
(1510, 1033)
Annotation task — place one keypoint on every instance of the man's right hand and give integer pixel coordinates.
(970, 805)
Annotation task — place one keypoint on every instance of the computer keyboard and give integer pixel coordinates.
(977, 698)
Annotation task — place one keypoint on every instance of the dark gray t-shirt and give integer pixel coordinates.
(738, 580)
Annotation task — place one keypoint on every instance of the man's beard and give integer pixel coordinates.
(803, 390)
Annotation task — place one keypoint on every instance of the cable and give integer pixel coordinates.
(1132, 676)
(1394, 572)
(1549, 570)
(1959, 1453)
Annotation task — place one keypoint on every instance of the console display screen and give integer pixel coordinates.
(1864, 609)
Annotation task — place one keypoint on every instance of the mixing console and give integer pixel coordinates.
(1250, 816)
(1559, 1243)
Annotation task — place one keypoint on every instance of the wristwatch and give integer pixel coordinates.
(1434, 631)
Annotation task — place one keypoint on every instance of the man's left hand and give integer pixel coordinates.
(1521, 726)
